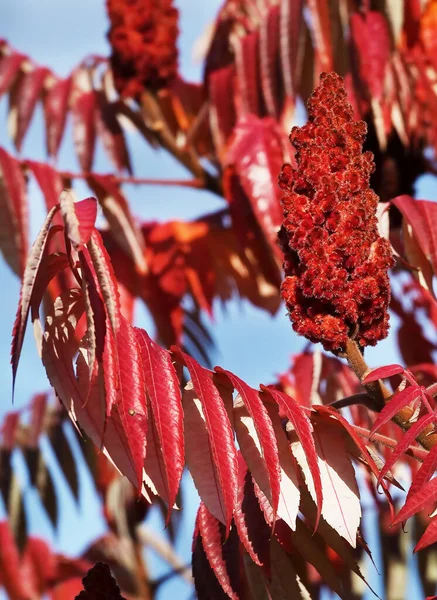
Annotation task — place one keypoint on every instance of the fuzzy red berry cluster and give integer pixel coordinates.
(336, 283)
(143, 37)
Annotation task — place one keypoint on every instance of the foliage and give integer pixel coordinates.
(275, 467)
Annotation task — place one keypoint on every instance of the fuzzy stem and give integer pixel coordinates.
(381, 394)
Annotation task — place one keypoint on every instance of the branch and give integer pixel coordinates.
(160, 545)
(381, 394)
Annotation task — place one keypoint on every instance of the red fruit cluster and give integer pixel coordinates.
(143, 38)
(336, 283)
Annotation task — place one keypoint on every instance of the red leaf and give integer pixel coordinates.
(320, 28)
(131, 402)
(123, 225)
(255, 153)
(38, 405)
(264, 429)
(304, 430)
(84, 128)
(220, 432)
(209, 531)
(56, 109)
(372, 39)
(247, 70)
(163, 389)
(31, 274)
(26, 95)
(10, 571)
(49, 180)
(422, 216)
(429, 537)
(382, 373)
(9, 69)
(426, 495)
(111, 134)
(13, 209)
(222, 112)
(269, 59)
(397, 401)
(408, 438)
(79, 218)
(106, 278)
(67, 589)
(290, 31)
(59, 346)
(425, 472)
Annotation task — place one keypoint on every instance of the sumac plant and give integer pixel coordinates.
(322, 217)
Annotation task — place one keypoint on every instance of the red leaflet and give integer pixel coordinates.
(9, 69)
(396, 402)
(131, 402)
(10, 569)
(198, 455)
(255, 153)
(220, 432)
(49, 181)
(84, 128)
(222, 112)
(245, 514)
(106, 278)
(26, 95)
(304, 429)
(422, 216)
(424, 474)
(56, 109)
(407, 438)
(70, 588)
(428, 538)
(372, 39)
(247, 69)
(31, 274)
(111, 134)
(269, 58)
(13, 210)
(123, 225)
(79, 218)
(290, 23)
(163, 389)
(320, 28)
(382, 373)
(209, 531)
(59, 346)
(426, 495)
(264, 429)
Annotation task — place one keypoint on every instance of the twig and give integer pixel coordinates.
(160, 545)
(381, 394)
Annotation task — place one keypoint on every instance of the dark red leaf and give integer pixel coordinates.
(397, 401)
(247, 71)
(256, 155)
(163, 389)
(56, 109)
(220, 432)
(320, 17)
(26, 95)
(428, 538)
(9, 69)
(209, 531)
(269, 60)
(84, 128)
(304, 431)
(30, 277)
(49, 180)
(382, 373)
(222, 111)
(112, 134)
(13, 209)
(407, 438)
(264, 429)
(291, 18)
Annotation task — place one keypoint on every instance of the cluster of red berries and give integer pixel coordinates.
(143, 37)
(336, 283)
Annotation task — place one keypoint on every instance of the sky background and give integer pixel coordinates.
(249, 342)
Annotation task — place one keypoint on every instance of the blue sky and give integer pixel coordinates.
(249, 342)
